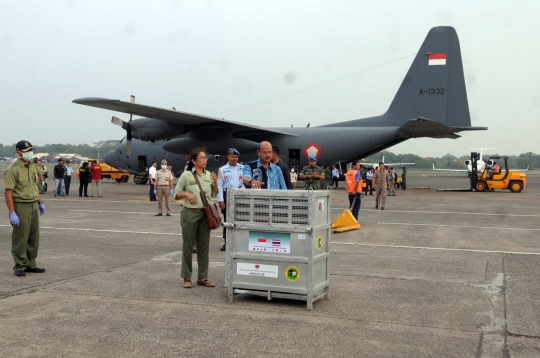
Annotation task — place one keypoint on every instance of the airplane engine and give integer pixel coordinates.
(150, 129)
(490, 162)
(212, 145)
(467, 162)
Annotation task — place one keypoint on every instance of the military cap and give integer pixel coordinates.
(24, 146)
(233, 151)
(312, 158)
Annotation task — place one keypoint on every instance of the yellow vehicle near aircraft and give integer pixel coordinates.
(515, 181)
(108, 172)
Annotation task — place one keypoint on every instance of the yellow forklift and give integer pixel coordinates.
(487, 180)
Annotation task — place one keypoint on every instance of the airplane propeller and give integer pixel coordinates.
(127, 127)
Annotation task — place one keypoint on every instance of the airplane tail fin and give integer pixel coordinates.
(432, 99)
(434, 87)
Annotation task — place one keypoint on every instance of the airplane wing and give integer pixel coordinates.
(520, 170)
(390, 164)
(168, 115)
(451, 170)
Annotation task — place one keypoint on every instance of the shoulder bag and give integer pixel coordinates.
(212, 214)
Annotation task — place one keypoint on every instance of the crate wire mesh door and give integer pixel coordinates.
(278, 243)
(291, 211)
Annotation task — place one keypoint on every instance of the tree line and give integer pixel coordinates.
(450, 161)
(85, 150)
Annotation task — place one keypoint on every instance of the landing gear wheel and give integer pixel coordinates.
(480, 185)
(515, 186)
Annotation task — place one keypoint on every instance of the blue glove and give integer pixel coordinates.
(42, 209)
(14, 219)
(155, 192)
(171, 192)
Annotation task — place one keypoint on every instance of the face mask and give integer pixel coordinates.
(28, 156)
(163, 167)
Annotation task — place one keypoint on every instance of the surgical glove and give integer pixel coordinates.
(155, 192)
(14, 219)
(171, 192)
(42, 209)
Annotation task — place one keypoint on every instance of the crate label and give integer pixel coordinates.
(256, 270)
(270, 242)
(321, 205)
(292, 273)
(301, 236)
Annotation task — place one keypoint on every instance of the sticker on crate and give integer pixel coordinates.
(270, 242)
(292, 273)
(319, 243)
(256, 270)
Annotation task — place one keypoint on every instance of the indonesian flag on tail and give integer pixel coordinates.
(437, 59)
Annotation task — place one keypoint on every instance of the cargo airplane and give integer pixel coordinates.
(431, 102)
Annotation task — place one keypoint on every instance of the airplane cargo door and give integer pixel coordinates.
(294, 159)
(142, 163)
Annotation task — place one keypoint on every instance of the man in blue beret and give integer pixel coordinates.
(312, 174)
(229, 176)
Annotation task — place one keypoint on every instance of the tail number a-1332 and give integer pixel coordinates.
(432, 91)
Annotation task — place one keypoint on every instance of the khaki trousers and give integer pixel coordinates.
(391, 189)
(380, 199)
(96, 184)
(25, 237)
(195, 231)
(163, 191)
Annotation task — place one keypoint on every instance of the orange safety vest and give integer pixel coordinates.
(350, 181)
(496, 169)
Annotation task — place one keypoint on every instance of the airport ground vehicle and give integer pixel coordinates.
(108, 172)
(514, 181)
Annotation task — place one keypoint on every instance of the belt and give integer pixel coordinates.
(163, 184)
(195, 209)
(25, 202)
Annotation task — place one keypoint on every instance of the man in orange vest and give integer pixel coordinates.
(353, 182)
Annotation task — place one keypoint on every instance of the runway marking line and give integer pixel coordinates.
(113, 231)
(438, 248)
(446, 212)
(332, 242)
(117, 212)
(462, 226)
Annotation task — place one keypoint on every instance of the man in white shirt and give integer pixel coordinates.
(369, 181)
(67, 178)
(335, 177)
(151, 178)
(294, 178)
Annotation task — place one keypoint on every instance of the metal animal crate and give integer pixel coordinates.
(278, 244)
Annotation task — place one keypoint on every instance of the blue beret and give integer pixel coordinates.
(233, 151)
(312, 158)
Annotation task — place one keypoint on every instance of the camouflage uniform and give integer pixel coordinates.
(312, 183)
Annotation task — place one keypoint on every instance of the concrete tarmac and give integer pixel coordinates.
(437, 274)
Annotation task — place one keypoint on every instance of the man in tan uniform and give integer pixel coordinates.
(25, 206)
(381, 186)
(163, 187)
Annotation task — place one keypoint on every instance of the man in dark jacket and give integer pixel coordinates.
(84, 179)
(284, 167)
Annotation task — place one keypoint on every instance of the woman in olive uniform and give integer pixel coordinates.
(193, 219)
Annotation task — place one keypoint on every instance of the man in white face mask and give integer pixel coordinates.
(24, 204)
(163, 188)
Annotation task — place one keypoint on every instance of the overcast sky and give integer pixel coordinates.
(208, 57)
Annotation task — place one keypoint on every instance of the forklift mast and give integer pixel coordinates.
(474, 168)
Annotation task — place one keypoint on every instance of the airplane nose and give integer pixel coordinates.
(109, 158)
